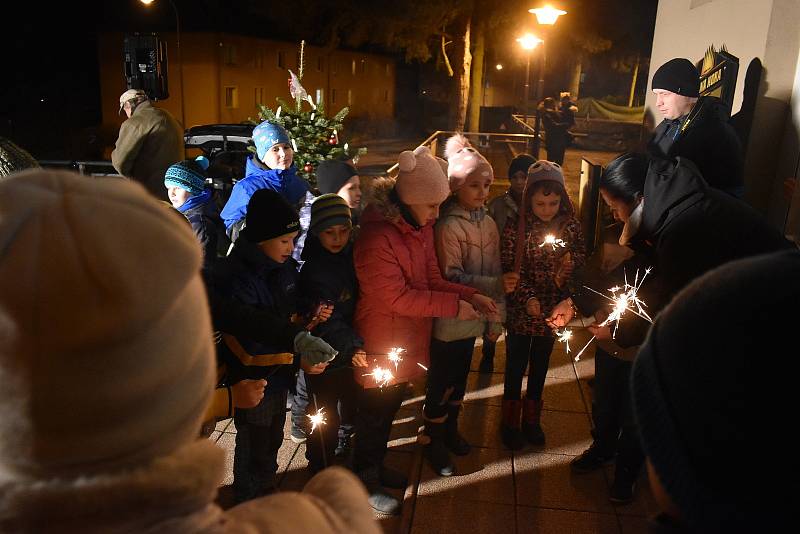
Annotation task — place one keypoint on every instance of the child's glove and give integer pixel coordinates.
(313, 350)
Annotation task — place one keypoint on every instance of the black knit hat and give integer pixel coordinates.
(520, 163)
(332, 174)
(269, 215)
(678, 75)
(329, 210)
(712, 392)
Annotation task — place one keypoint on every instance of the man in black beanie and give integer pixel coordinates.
(695, 127)
(712, 386)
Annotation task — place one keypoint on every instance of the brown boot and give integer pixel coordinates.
(531, 426)
(510, 430)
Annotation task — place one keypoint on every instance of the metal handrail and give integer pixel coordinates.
(79, 165)
(431, 139)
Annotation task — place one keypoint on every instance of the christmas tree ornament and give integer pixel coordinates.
(308, 168)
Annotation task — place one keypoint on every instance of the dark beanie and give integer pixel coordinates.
(269, 215)
(332, 175)
(712, 394)
(678, 75)
(520, 163)
(329, 210)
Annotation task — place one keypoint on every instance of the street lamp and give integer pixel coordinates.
(545, 16)
(180, 60)
(528, 42)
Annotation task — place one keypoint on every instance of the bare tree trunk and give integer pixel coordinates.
(476, 90)
(575, 77)
(633, 82)
(463, 78)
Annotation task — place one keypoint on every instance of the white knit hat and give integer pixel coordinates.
(422, 178)
(106, 360)
(464, 162)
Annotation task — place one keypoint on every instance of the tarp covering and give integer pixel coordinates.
(592, 108)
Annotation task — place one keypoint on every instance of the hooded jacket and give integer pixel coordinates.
(149, 142)
(468, 248)
(209, 229)
(401, 286)
(332, 277)
(259, 176)
(705, 138)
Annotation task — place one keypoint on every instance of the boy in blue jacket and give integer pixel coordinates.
(260, 272)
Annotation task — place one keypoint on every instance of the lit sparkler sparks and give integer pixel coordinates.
(554, 242)
(318, 419)
(382, 376)
(564, 337)
(422, 366)
(394, 356)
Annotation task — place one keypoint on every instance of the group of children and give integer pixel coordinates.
(429, 271)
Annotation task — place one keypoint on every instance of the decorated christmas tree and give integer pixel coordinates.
(315, 136)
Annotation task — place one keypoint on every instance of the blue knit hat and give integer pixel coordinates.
(188, 174)
(267, 134)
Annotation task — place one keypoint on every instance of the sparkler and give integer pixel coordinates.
(382, 376)
(551, 240)
(564, 337)
(318, 419)
(422, 366)
(394, 356)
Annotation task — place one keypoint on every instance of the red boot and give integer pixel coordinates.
(510, 430)
(531, 426)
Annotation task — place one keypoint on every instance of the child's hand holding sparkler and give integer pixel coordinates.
(359, 359)
(510, 281)
(563, 313)
(247, 393)
(313, 369)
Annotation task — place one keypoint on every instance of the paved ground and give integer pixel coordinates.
(496, 490)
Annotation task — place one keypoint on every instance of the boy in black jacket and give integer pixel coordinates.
(328, 276)
(261, 273)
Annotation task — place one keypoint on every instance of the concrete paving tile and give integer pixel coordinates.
(448, 514)
(485, 388)
(565, 432)
(563, 394)
(292, 470)
(483, 475)
(480, 425)
(545, 480)
(546, 521)
(390, 524)
(225, 424)
(227, 442)
(215, 435)
(634, 525)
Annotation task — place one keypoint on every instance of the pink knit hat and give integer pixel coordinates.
(464, 162)
(421, 179)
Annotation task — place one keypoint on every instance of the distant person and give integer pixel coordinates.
(107, 367)
(14, 158)
(502, 209)
(149, 141)
(272, 167)
(705, 407)
(556, 136)
(568, 109)
(186, 188)
(695, 127)
(340, 178)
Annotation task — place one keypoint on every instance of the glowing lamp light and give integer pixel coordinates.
(547, 15)
(147, 2)
(498, 66)
(529, 41)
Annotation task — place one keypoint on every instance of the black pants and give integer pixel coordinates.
(612, 412)
(555, 152)
(377, 408)
(489, 348)
(325, 391)
(447, 375)
(522, 350)
(259, 435)
(300, 401)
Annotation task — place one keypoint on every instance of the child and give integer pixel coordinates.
(260, 272)
(401, 290)
(544, 271)
(186, 189)
(468, 248)
(328, 276)
(272, 168)
(501, 209)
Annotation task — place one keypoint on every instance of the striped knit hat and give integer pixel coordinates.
(329, 210)
(188, 174)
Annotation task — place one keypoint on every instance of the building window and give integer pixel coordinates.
(385, 95)
(281, 60)
(231, 97)
(349, 97)
(333, 96)
(334, 66)
(258, 59)
(229, 52)
(353, 68)
(259, 96)
(320, 64)
(388, 69)
(319, 96)
(363, 66)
